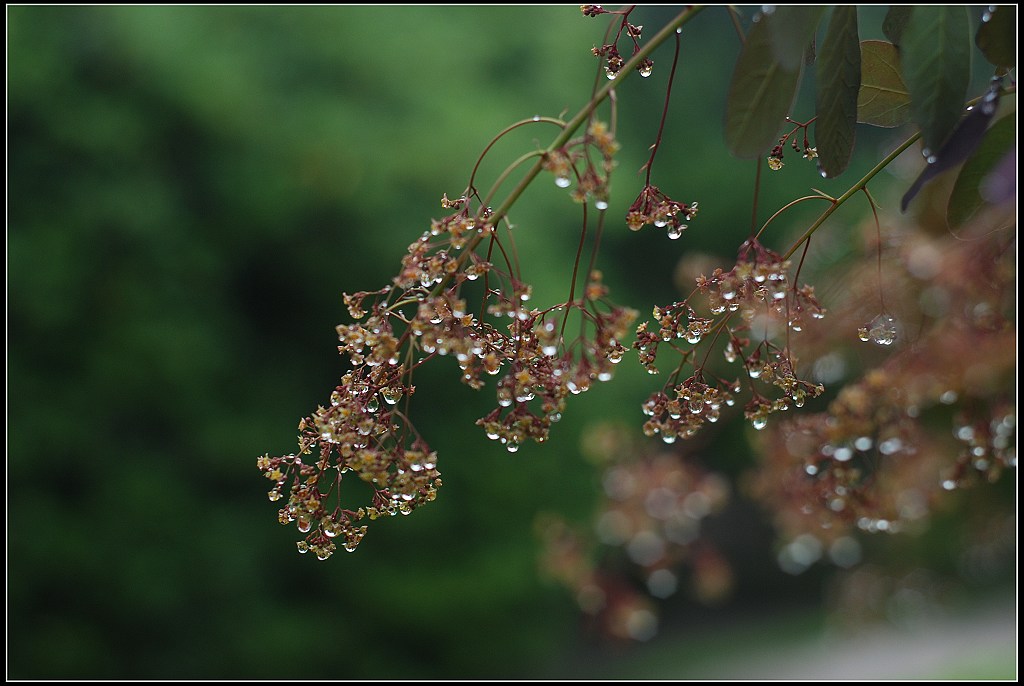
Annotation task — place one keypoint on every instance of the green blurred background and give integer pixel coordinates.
(190, 191)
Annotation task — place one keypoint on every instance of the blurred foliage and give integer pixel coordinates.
(190, 191)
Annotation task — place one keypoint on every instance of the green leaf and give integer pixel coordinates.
(961, 144)
(966, 198)
(997, 36)
(792, 28)
(936, 59)
(838, 71)
(895, 21)
(883, 99)
(760, 95)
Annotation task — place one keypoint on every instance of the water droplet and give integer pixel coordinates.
(811, 469)
(842, 453)
(302, 547)
(949, 484)
(536, 117)
(562, 181)
(512, 446)
(932, 159)
(948, 398)
(372, 405)
(662, 583)
(890, 446)
(675, 232)
(646, 71)
(965, 433)
(601, 204)
(304, 524)
(882, 330)
(679, 30)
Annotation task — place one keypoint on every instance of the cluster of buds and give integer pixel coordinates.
(543, 372)
(801, 147)
(564, 164)
(757, 285)
(654, 207)
(685, 411)
(777, 370)
(676, 321)
(613, 61)
(592, 10)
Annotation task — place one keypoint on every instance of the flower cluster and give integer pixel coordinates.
(542, 373)
(674, 321)
(802, 148)
(647, 526)
(613, 61)
(757, 289)
(565, 162)
(937, 415)
(684, 412)
(423, 314)
(654, 207)
(360, 432)
(759, 284)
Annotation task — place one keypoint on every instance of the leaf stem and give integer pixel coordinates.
(851, 192)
